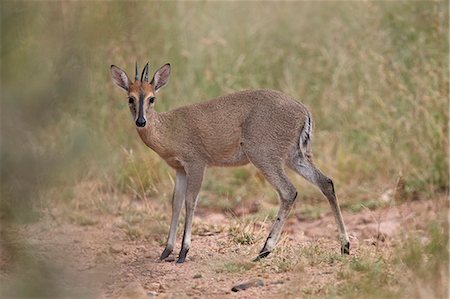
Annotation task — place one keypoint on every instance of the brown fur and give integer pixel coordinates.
(141, 87)
(223, 131)
(265, 127)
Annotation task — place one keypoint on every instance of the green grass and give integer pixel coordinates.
(311, 211)
(415, 268)
(374, 75)
(234, 267)
(242, 233)
(82, 219)
(370, 204)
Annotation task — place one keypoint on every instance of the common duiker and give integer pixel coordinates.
(267, 128)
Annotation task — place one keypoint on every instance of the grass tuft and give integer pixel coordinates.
(235, 267)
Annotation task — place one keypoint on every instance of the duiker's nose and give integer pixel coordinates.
(140, 122)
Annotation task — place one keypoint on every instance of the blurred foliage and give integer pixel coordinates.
(375, 75)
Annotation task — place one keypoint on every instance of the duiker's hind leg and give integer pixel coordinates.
(305, 167)
(287, 193)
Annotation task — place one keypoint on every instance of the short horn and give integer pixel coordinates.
(144, 75)
(136, 76)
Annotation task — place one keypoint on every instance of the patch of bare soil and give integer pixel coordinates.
(106, 263)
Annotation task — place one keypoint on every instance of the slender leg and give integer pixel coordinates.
(179, 193)
(306, 168)
(194, 182)
(287, 194)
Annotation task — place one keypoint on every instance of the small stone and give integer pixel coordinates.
(246, 285)
(170, 259)
(190, 293)
(133, 290)
(115, 248)
(198, 275)
(162, 288)
(152, 294)
(388, 195)
(153, 285)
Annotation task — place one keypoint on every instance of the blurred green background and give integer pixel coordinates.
(374, 74)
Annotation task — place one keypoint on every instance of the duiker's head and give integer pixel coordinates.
(141, 93)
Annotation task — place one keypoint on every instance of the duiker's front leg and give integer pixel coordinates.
(178, 197)
(194, 182)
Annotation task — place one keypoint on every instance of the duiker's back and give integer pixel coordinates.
(265, 127)
(224, 127)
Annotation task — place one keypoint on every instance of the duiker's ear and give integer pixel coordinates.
(161, 77)
(120, 78)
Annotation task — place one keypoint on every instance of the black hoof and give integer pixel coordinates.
(182, 256)
(261, 255)
(345, 249)
(165, 253)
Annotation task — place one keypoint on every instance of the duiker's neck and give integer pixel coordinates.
(150, 133)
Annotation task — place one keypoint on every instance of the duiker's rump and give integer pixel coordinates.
(267, 128)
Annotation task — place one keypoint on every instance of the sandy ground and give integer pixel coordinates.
(102, 261)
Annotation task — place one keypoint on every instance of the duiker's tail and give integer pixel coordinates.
(306, 136)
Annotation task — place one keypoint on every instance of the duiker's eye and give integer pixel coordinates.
(130, 100)
(152, 99)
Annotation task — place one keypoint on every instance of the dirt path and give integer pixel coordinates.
(101, 261)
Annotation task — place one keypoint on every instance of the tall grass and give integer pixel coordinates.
(374, 75)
